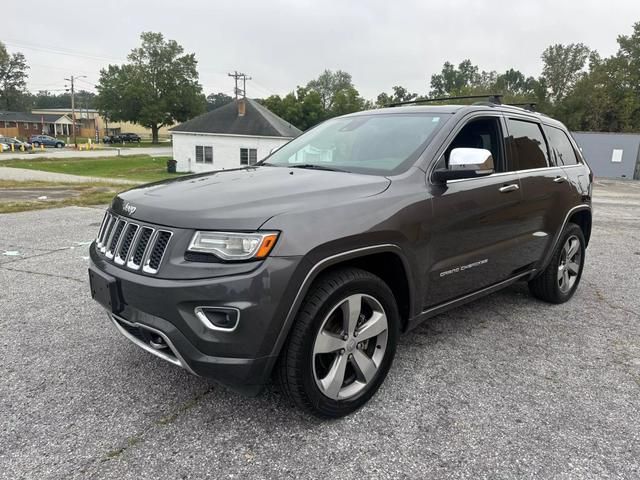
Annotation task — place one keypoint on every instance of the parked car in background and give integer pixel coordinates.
(45, 140)
(4, 147)
(122, 138)
(111, 139)
(130, 137)
(17, 144)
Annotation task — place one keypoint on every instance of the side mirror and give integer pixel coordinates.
(466, 163)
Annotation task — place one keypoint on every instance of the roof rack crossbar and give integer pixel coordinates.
(495, 98)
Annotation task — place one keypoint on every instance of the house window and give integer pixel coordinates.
(25, 126)
(34, 126)
(248, 156)
(204, 154)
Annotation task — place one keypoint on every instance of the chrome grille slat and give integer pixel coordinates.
(155, 254)
(107, 234)
(102, 227)
(139, 252)
(115, 238)
(132, 245)
(127, 236)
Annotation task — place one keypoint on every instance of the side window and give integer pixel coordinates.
(527, 145)
(560, 146)
(208, 155)
(204, 154)
(478, 133)
(248, 156)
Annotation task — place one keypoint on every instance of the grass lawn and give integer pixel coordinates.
(78, 194)
(131, 167)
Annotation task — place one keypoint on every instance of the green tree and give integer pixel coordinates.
(329, 84)
(458, 80)
(607, 98)
(217, 100)
(400, 94)
(302, 108)
(13, 79)
(157, 87)
(563, 66)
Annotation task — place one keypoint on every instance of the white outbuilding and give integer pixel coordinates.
(237, 134)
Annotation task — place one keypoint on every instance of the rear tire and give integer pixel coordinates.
(341, 344)
(36, 144)
(58, 145)
(559, 281)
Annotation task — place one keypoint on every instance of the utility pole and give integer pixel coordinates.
(73, 106)
(237, 76)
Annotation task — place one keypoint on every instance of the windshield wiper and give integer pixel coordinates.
(313, 166)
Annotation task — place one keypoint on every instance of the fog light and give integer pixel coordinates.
(218, 318)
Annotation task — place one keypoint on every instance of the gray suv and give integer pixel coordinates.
(307, 266)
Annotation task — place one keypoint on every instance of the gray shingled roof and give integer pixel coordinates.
(257, 121)
(6, 116)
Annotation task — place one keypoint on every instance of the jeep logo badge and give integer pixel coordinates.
(130, 209)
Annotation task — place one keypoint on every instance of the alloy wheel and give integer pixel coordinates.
(569, 265)
(350, 346)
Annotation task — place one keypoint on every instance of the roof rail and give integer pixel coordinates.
(531, 106)
(495, 98)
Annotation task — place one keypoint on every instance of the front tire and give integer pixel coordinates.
(559, 281)
(36, 144)
(341, 345)
(58, 145)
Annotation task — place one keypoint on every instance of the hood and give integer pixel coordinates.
(242, 199)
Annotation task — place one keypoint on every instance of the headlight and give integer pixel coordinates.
(234, 246)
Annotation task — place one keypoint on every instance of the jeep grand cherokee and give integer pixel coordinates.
(309, 264)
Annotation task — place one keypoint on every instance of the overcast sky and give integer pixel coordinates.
(284, 43)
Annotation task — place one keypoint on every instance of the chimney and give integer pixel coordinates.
(241, 107)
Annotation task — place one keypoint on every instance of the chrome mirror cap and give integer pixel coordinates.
(479, 160)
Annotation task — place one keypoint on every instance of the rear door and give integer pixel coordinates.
(545, 187)
(475, 240)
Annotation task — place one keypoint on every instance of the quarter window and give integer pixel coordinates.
(204, 154)
(563, 152)
(528, 146)
(248, 156)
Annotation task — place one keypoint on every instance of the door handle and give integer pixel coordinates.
(509, 188)
(559, 179)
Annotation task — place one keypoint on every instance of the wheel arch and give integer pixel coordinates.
(582, 218)
(580, 215)
(386, 261)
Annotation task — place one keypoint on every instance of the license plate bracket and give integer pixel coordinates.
(105, 291)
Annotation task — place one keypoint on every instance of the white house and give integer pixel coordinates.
(236, 134)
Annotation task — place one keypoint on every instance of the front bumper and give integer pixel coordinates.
(241, 359)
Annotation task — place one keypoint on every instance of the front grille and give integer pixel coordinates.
(141, 247)
(158, 249)
(132, 245)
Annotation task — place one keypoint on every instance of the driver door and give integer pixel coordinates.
(475, 239)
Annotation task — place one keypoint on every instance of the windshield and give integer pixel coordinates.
(377, 144)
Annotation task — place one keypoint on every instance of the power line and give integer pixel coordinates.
(60, 51)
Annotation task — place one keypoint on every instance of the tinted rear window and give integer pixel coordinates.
(527, 145)
(563, 152)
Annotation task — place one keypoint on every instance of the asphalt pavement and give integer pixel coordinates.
(506, 387)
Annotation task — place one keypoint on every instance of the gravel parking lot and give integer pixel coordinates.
(506, 387)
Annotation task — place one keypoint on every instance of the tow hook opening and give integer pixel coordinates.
(158, 343)
(153, 339)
